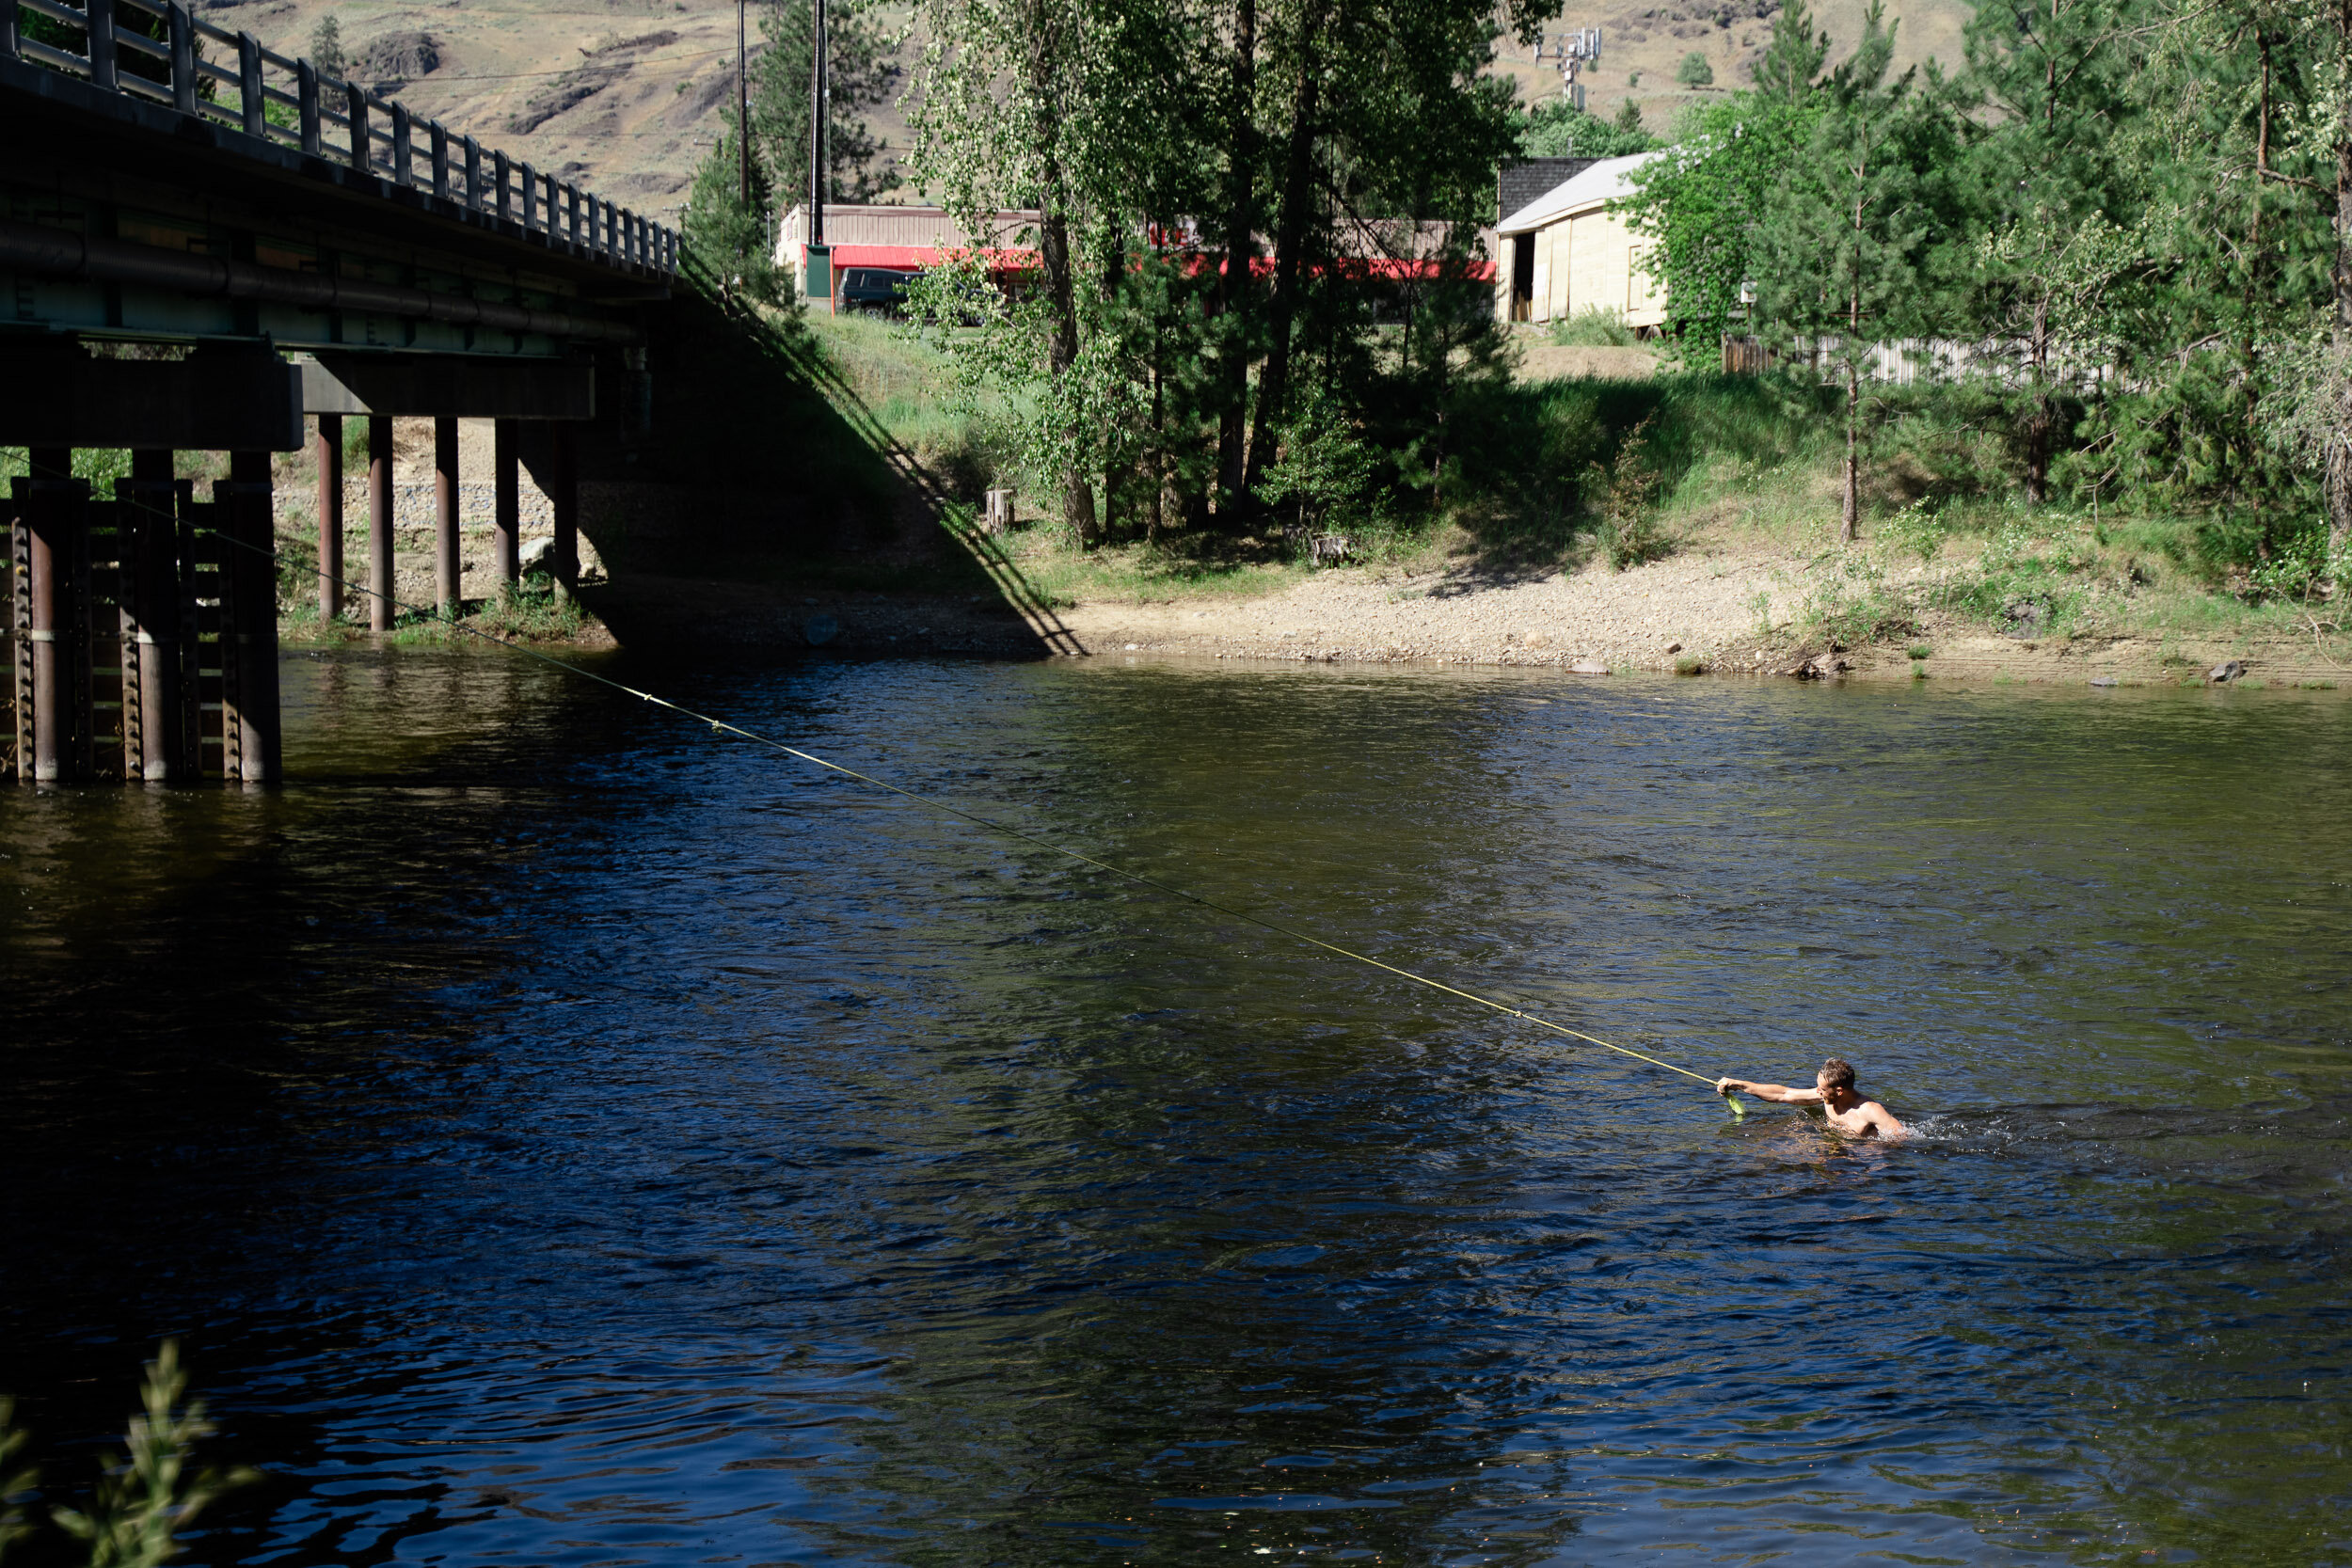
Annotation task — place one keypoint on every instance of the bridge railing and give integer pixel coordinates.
(288, 102)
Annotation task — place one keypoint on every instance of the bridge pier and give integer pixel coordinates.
(244, 502)
(448, 578)
(51, 504)
(380, 523)
(507, 518)
(153, 730)
(331, 508)
(564, 502)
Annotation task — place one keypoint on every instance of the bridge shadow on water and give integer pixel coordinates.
(766, 495)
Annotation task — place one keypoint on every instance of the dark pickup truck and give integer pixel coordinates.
(879, 290)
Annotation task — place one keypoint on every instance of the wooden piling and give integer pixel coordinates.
(260, 752)
(81, 633)
(44, 503)
(380, 523)
(331, 508)
(506, 460)
(448, 588)
(151, 655)
(188, 729)
(20, 625)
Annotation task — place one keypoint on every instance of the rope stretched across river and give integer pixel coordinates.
(1007, 829)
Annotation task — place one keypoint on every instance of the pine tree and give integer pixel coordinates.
(862, 73)
(326, 46)
(1841, 251)
(2056, 197)
(1792, 59)
(1556, 128)
(724, 239)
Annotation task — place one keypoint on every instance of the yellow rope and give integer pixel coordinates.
(1007, 829)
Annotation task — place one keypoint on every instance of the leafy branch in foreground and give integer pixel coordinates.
(145, 1497)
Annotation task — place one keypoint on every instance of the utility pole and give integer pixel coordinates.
(742, 117)
(818, 94)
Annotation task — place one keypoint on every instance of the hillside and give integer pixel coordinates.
(626, 93)
(1644, 40)
(623, 93)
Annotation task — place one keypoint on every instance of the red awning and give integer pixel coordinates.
(916, 257)
(910, 257)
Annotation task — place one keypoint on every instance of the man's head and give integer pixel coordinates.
(1835, 1077)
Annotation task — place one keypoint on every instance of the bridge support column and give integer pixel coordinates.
(246, 491)
(565, 502)
(330, 456)
(151, 592)
(51, 503)
(380, 523)
(448, 586)
(507, 459)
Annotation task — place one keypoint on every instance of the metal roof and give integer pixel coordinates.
(1605, 181)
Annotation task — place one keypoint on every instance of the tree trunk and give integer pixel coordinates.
(2038, 421)
(1232, 288)
(1289, 233)
(1158, 512)
(2339, 484)
(1045, 44)
(1850, 520)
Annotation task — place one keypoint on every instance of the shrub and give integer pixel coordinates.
(1628, 492)
(1594, 327)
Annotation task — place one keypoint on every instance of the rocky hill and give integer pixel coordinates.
(1644, 40)
(626, 93)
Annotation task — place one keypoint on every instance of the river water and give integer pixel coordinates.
(560, 1136)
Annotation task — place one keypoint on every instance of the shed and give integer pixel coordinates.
(1566, 252)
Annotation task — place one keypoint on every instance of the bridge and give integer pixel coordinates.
(201, 242)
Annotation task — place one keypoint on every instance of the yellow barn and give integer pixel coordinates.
(1564, 253)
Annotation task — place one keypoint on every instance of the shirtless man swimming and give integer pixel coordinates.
(1834, 1091)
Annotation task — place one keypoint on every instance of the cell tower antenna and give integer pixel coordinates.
(1572, 51)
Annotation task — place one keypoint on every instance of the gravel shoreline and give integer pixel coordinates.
(1714, 610)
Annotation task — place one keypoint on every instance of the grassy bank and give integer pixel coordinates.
(1562, 474)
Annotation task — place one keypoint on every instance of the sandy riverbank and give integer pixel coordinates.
(1723, 610)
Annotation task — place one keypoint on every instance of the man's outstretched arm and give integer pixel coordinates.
(1780, 1094)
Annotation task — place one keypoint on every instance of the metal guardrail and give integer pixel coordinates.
(288, 102)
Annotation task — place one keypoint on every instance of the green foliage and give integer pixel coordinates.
(1914, 531)
(1731, 159)
(1792, 59)
(862, 72)
(1328, 476)
(1535, 460)
(1558, 128)
(1626, 497)
(724, 243)
(1694, 71)
(16, 1479)
(144, 1499)
(1592, 327)
(1221, 191)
